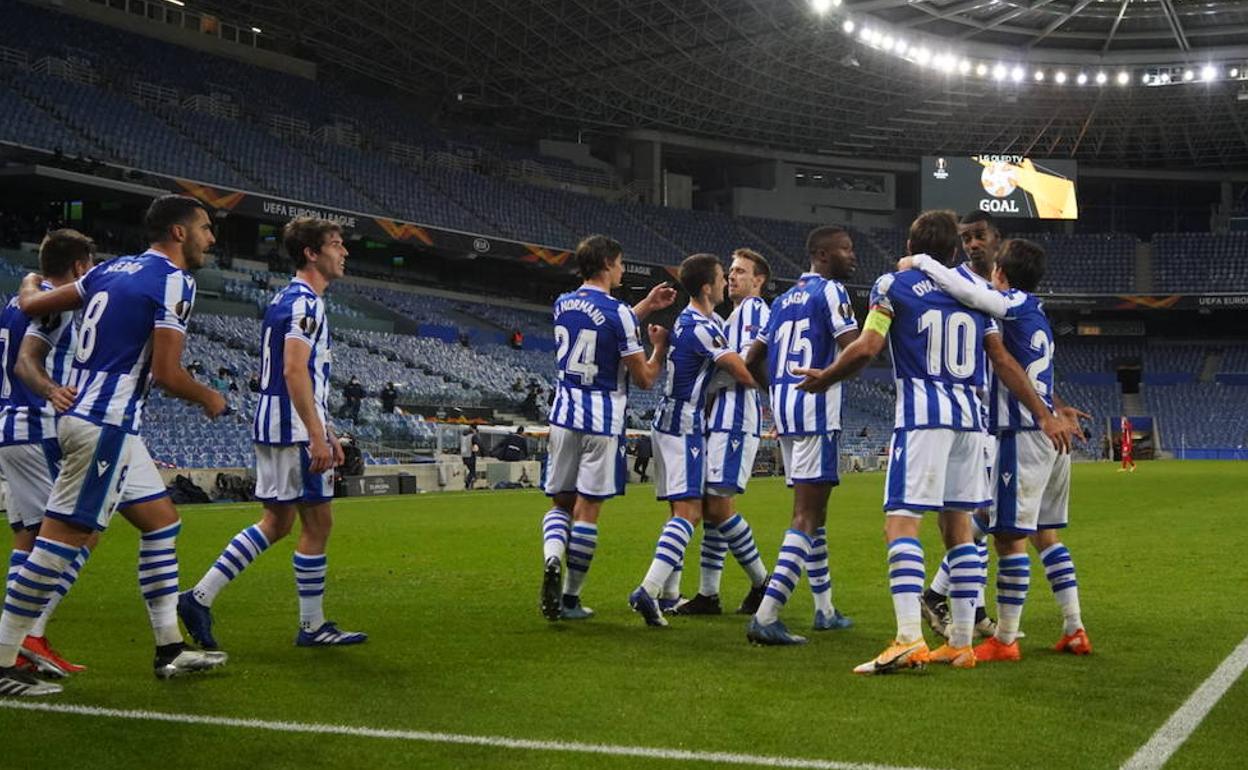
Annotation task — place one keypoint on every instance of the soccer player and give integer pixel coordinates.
(808, 325)
(296, 448)
(735, 418)
(936, 456)
(698, 346)
(1128, 446)
(1031, 480)
(131, 335)
(30, 455)
(599, 351)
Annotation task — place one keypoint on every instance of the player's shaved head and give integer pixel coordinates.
(934, 233)
(61, 249)
(1023, 263)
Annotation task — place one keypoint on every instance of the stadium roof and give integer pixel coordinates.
(870, 78)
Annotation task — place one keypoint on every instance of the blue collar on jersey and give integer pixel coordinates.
(157, 252)
(588, 287)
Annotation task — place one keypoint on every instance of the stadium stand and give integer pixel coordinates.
(1200, 262)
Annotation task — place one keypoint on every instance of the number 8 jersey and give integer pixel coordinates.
(801, 333)
(124, 301)
(594, 332)
(937, 346)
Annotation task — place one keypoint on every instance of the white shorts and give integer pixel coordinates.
(729, 462)
(102, 467)
(990, 455)
(29, 470)
(679, 466)
(933, 469)
(811, 459)
(590, 465)
(1032, 484)
(282, 476)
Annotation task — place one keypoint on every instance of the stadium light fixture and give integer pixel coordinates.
(848, 26)
(178, 3)
(257, 30)
(1101, 78)
(964, 66)
(1017, 74)
(1234, 72)
(1060, 78)
(1124, 77)
(1189, 75)
(923, 57)
(865, 35)
(1208, 73)
(1039, 76)
(1145, 78)
(981, 69)
(998, 72)
(886, 43)
(900, 47)
(1081, 78)
(821, 6)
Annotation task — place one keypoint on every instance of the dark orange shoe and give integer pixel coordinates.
(958, 657)
(37, 649)
(1077, 643)
(994, 649)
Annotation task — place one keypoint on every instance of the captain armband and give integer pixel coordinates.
(878, 321)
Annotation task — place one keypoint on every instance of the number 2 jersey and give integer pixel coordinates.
(25, 418)
(296, 312)
(593, 332)
(124, 301)
(801, 333)
(937, 346)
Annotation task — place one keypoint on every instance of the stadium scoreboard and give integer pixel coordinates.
(1002, 185)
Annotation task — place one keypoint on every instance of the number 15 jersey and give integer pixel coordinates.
(594, 332)
(937, 345)
(801, 333)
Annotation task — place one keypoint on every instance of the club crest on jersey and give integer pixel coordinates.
(846, 310)
(182, 310)
(307, 325)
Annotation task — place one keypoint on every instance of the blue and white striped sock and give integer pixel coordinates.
(16, 559)
(239, 553)
(581, 547)
(158, 581)
(940, 581)
(905, 582)
(1013, 580)
(817, 572)
(67, 580)
(794, 551)
(28, 593)
(669, 553)
(714, 552)
(1059, 568)
(671, 587)
(556, 528)
(981, 550)
(740, 538)
(310, 581)
(966, 578)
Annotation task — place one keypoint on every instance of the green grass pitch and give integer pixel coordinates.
(447, 587)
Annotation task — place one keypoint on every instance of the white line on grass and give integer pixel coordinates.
(1182, 723)
(678, 755)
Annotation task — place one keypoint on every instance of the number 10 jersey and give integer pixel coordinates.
(594, 332)
(801, 333)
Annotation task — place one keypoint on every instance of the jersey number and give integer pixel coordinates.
(581, 360)
(791, 341)
(87, 333)
(1041, 344)
(953, 342)
(266, 359)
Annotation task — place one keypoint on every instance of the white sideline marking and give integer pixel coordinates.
(1183, 722)
(503, 742)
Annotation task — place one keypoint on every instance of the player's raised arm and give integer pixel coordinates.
(994, 303)
(643, 371)
(34, 302)
(660, 297)
(171, 377)
(1013, 377)
(31, 369)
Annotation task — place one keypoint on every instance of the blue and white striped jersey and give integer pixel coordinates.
(736, 408)
(594, 332)
(938, 352)
(1029, 338)
(696, 343)
(124, 301)
(296, 312)
(801, 333)
(25, 418)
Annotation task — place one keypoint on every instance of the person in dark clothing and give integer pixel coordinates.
(469, 448)
(254, 383)
(644, 452)
(513, 447)
(389, 395)
(354, 395)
